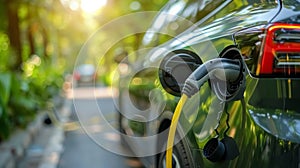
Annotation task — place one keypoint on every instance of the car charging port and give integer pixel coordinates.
(230, 89)
(227, 78)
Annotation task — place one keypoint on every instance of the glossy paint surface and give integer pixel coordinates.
(265, 124)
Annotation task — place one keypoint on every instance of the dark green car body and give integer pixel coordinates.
(265, 123)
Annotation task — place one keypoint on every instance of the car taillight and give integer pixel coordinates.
(76, 75)
(280, 54)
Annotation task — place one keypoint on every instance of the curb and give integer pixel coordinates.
(53, 150)
(23, 148)
(14, 148)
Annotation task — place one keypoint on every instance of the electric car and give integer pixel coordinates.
(245, 114)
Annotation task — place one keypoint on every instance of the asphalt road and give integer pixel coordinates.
(91, 139)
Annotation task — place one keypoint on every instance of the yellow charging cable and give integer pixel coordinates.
(172, 131)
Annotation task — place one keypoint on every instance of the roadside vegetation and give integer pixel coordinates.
(39, 42)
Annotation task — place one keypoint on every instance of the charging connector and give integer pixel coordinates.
(223, 69)
(226, 70)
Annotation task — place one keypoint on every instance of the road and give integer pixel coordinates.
(91, 137)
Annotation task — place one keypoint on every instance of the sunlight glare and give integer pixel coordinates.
(74, 5)
(91, 6)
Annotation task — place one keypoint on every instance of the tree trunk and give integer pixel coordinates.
(14, 33)
(45, 40)
(30, 39)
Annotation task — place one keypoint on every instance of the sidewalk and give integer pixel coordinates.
(39, 145)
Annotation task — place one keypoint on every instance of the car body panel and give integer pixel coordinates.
(216, 33)
(267, 135)
(177, 16)
(290, 11)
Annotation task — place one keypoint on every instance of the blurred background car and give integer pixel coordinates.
(84, 74)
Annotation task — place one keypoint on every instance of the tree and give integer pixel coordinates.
(13, 31)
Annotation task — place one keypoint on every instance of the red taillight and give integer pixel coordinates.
(76, 75)
(281, 51)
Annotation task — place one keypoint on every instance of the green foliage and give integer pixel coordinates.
(4, 122)
(5, 84)
(22, 95)
(43, 79)
(4, 49)
(4, 97)
(51, 35)
(22, 104)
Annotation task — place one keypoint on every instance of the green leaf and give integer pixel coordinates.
(1, 107)
(5, 86)
(4, 122)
